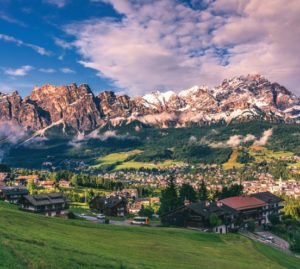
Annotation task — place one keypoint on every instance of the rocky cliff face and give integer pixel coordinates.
(242, 98)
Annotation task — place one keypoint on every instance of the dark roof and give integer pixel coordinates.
(110, 202)
(243, 202)
(267, 197)
(46, 199)
(14, 191)
(207, 208)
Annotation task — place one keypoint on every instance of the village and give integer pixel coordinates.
(260, 198)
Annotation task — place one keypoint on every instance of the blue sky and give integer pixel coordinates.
(138, 46)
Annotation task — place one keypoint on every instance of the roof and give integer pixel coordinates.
(14, 191)
(243, 202)
(267, 197)
(30, 177)
(47, 182)
(205, 208)
(110, 202)
(46, 199)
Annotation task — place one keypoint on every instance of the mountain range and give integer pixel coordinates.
(243, 98)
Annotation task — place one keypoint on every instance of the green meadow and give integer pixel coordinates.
(34, 241)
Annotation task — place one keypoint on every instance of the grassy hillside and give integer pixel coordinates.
(32, 241)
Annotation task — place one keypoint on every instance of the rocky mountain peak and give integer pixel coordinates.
(240, 98)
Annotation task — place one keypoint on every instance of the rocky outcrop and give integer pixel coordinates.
(241, 98)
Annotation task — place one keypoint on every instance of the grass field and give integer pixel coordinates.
(114, 158)
(263, 154)
(138, 165)
(232, 161)
(32, 241)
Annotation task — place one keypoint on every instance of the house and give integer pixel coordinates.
(64, 183)
(4, 177)
(134, 208)
(249, 208)
(274, 204)
(12, 195)
(50, 204)
(201, 215)
(47, 184)
(257, 206)
(23, 180)
(110, 206)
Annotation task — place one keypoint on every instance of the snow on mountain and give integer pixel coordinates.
(241, 98)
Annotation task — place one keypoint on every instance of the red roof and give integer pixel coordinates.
(243, 202)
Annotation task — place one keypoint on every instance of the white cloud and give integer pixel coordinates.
(58, 3)
(47, 70)
(67, 70)
(9, 19)
(62, 43)
(264, 138)
(166, 44)
(22, 71)
(18, 42)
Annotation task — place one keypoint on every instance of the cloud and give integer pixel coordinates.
(58, 3)
(10, 134)
(22, 71)
(170, 45)
(236, 140)
(264, 138)
(67, 70)
(81, 138)
(18, 42)
(9, 19)
(47, 70)
(62, 43)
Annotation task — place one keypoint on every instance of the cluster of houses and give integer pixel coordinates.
(289, 187)
(46, 184)
(228, 214)
(219, 216)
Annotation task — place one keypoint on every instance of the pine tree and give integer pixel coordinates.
(187, 192)
(169, 197)
(203, 194)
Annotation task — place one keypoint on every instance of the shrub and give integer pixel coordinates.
(251, 226)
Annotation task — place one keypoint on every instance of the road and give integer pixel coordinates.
(276, 241)
(113, 222)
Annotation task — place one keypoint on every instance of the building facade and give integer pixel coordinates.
(49, 204)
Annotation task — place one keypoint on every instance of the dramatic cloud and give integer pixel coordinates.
(170, 45)
(18, 42)
(22, 71)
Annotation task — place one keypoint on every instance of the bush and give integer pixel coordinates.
(295, 245)
(251, 226)
(274, 219)
(71, 215)
(106, 221)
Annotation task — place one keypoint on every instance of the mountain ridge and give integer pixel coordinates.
(241, 98)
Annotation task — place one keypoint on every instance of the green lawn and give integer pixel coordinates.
(262, 154)
(114, 158)
(232, 162)
(32, 241)
(146, 165)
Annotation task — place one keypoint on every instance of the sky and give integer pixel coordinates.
(137, 46)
